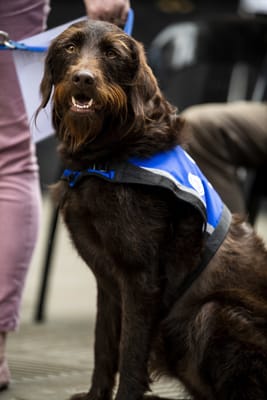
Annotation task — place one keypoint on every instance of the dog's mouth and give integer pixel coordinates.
(82, 104)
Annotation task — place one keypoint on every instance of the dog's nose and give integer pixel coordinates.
(83, 78)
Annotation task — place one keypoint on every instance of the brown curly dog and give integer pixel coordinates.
(178, 294)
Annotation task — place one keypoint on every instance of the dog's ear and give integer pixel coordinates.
(145, 86)
(153, 114)
(46, 84)
(47, 81)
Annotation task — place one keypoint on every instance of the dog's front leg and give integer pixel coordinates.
(106, 349)
(139, 309)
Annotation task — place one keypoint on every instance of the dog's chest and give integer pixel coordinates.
(116, 222)
(96, 206)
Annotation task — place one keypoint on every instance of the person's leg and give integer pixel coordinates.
(19, 181)
(224, 137)
(4, 371)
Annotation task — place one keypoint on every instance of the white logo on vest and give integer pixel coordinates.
(195, 181)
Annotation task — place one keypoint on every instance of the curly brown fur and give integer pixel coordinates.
(140, 245)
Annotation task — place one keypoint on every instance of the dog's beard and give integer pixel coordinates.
(75, 131)
(78, 129)
(114, 100)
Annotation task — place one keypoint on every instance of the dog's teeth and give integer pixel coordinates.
(81, 106)
(90, 102)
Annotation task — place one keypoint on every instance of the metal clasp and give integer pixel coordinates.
(4, 40)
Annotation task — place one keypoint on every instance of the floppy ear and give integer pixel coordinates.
(153, 114)
(47, 82)
(46, 85)
(145, 86)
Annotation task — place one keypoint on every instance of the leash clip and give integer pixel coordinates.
(5, 41)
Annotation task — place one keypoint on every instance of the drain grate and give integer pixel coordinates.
(170, 389)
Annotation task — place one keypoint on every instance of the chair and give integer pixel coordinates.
(50, 171)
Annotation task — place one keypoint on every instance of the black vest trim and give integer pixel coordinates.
(212, 245)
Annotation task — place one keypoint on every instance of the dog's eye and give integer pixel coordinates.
(110, 53)
(70, 48)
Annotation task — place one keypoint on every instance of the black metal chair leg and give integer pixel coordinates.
(42, 294)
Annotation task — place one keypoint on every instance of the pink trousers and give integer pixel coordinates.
(19, 180)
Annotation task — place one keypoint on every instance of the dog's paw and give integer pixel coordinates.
(80, 396)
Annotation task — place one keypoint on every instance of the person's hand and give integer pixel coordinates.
(115, 11)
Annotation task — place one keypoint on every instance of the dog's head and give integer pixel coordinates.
(103, 87)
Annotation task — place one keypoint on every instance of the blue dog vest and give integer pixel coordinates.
(176, 171)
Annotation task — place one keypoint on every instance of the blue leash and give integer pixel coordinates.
(7, 44)
(128, 27)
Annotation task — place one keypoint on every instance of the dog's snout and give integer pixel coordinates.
(83, 78)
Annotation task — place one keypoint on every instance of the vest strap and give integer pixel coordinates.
(212, 245)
